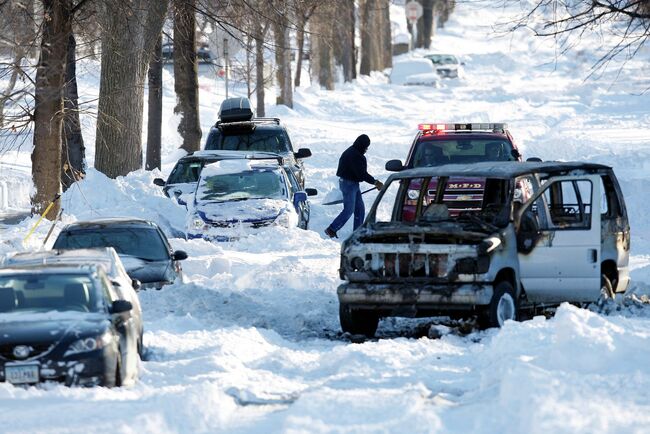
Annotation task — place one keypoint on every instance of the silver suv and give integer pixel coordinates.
(487, 239)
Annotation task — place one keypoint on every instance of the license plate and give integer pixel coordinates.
(21, 374)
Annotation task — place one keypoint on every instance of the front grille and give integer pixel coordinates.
(412, 265)
(36, 349)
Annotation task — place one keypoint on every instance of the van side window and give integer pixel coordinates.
(569, 204)
(610, 206)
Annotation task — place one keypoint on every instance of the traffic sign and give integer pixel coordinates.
(413, 11)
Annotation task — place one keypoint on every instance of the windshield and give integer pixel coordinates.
(141, 242)
(460, 151)
(249, 184)
(472, 201)
(44, 292)
(443, 59)
(185, 172)
(259, 139)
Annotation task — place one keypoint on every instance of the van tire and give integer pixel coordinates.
(357, 321)
(503, 306)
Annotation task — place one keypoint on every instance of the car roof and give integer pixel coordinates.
(120, 222)
(105, 254)
(502, 169)
(228, 155)
(56, 268)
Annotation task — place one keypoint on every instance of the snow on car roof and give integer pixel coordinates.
(225, 167)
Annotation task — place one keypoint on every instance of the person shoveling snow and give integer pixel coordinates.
(352, 170)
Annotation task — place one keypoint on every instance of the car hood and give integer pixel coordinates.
(438, 233)
(147, 271)
(42, 327)
(251, 210)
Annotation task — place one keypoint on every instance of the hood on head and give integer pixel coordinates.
(362, 143)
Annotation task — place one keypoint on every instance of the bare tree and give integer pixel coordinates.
(375, 36)
(154, 109)
(281, 19)
(344, 23)
(186, 82)
(130, 29)
(46, 157)
(626, 23)
(304, 9)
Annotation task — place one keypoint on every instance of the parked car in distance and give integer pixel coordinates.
(107, 257)
(181, 182)
(66, 324)
(234, 198)
(238, 130)
(541, 234)
(140, 244)
(402, 69)
(447, 65)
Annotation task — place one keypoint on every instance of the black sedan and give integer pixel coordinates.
(141, 245)
(65, 324)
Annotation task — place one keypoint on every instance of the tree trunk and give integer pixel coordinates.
(370, 37)
(352, 35)
(154, 106)
(387, 39)
(283, 60)
(424, 24)
(322, 52)
(6, 95)
(73, 151)
(186, 84)
(48, 102)
(259, 71)
(344, 43)
(300, 41)
(130, 31)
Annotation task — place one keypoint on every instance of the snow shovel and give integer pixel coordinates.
(337, 201)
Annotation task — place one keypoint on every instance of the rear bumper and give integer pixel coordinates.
(419, 297)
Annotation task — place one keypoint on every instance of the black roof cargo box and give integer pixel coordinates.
(235, 110)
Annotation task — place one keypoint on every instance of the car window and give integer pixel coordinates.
(49, 291)
(263, 140)
(568, 204)
(141, 242)
(460, 151)
(388, 204)
(185, 172)
(248, 184)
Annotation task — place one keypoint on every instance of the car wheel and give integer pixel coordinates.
(357, 321)
(503, 306)
(140, 346)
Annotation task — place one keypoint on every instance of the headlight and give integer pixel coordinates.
(89, 344)
(283, 220)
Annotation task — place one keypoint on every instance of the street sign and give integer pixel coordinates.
(413, 11)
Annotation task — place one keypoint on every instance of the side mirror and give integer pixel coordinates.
(159, 182)
(302, 153)
(136, 284)
(533, 160)
(394, 166)
(121, 306)
(299, 196)
(311, 191)
(179, 255)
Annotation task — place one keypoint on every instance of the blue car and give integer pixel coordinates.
(235, 198)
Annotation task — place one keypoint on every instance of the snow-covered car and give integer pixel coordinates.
(140, 244)
(529, 235)
(66, 324)
(235, 197)
(402, 69)
(447, 65)
(427, 79)
(238, 130)
(181, 182)
(107, 257)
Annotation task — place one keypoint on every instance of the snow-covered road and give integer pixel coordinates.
(250, 341)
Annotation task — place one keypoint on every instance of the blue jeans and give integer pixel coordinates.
(352, 203)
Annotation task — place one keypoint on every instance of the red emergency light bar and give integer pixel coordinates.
(462, 127)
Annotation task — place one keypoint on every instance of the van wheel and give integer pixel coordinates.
(503, 306)
(606, 292)
(358, 322)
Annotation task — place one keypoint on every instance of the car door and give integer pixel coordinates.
(563, 264)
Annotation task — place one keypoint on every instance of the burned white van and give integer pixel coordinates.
(486, 239)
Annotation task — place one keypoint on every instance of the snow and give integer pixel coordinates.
(225, 167)
(250, 342)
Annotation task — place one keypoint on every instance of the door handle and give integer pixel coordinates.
(593, 255)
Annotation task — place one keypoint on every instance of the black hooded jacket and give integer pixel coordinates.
(352, 164)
